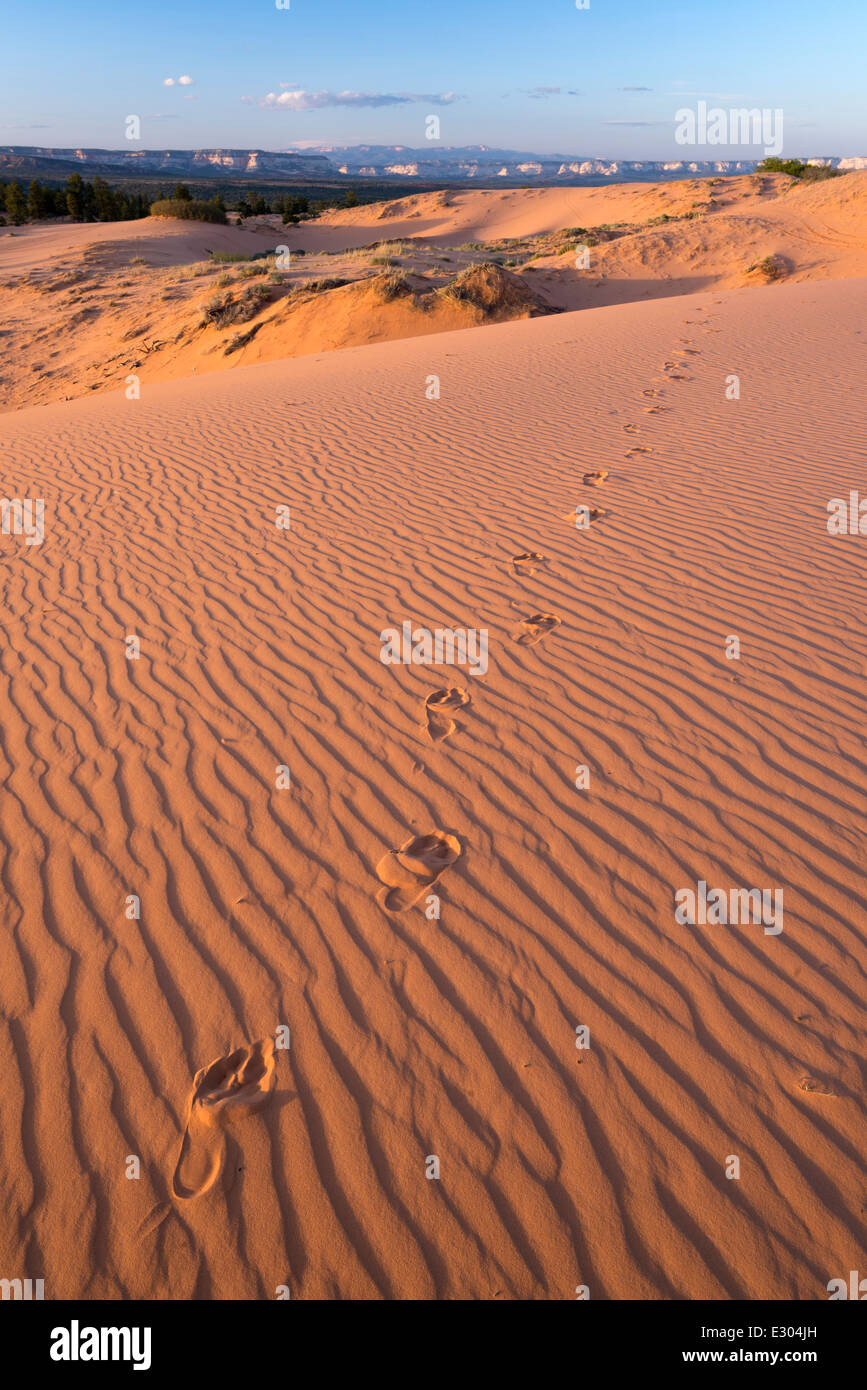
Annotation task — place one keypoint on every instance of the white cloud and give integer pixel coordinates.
(542, 93)
(299, 100)
(168, 82)
(185, 82)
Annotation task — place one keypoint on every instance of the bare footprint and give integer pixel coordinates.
(652, 391)
(408, 872)
(223, 1093)
(656, 409)
(439, 726)
(693, 352)
(632, 429)
(596, 479)
(532, 630)
(526, 562)
(639, 449)
(679, 376)
(819, 1088)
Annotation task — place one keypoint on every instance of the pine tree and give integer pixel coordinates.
(89, 202)
(16, 203)
(36, 201)
(104, 201)
(75, 197)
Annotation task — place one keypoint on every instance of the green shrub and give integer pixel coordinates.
(233, 257)
(770, 267)
(241, 339)
(810, 173)
(319, 286)
(582, 236)
(223, 309)
(394, 286)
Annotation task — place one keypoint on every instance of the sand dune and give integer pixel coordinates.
(451, 217)
(163, 241)
(256, 779)
(87, 307)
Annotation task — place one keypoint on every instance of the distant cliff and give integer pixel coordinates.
(399, 162)
(30, 161)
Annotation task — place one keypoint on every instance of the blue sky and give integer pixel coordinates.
(541, 75)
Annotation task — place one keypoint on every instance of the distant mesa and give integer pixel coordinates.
(25, 160)
(461, 164)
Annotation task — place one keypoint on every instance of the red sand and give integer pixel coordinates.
(261, 906)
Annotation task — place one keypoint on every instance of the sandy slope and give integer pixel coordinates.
(161, 240)
(451, 217)
(259, 906)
